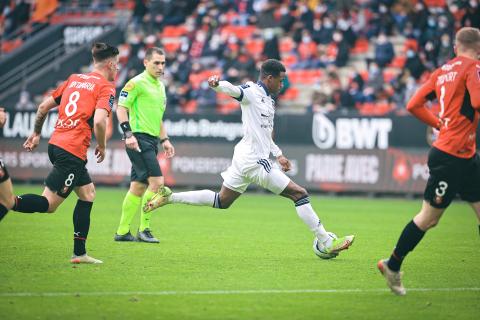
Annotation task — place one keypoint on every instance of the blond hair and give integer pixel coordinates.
(468, 38)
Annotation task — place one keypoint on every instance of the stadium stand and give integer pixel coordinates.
(364, 56)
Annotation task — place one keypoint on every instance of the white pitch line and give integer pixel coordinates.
(220, 292)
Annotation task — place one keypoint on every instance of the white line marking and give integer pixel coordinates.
(221, 292)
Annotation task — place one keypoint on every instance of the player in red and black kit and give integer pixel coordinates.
(84, 103)
(7, 199)
(453, 162)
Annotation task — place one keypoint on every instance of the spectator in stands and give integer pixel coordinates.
(472, 15)
(25, 103)
(384, 52)
(205, 97)
(342, 49)
(325, 34)
(431, 54)
(139, 11)
(271, 49)
(374, 82)
(445, 50)
(414, 64)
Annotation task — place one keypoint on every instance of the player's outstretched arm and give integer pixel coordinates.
(224, 87)
(34, 139)
(99, 129)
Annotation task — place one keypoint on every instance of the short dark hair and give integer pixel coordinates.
(150, 51)
(271, 67)
(102, 51)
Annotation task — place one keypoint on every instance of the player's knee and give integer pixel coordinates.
(89, 195)
(299, 193)
(52, 208)
(9, 202)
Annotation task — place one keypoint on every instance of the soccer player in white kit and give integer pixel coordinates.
(251, 163)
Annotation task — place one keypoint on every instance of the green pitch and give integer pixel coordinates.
(253, 261)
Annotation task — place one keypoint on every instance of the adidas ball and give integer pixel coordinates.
(319, 251)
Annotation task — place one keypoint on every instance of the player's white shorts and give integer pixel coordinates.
(241, 173)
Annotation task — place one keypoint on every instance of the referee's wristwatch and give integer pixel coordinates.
(164, 139)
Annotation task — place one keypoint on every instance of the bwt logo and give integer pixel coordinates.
(351, 133)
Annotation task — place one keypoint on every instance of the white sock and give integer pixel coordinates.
(308, 215)
(196, 198)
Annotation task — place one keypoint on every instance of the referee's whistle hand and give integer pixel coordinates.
(132, 143)
(169, 149)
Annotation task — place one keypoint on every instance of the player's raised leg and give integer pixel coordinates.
(219, 200)
(305, 211)
(81, 224)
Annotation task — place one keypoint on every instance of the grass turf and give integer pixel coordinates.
(252, 261)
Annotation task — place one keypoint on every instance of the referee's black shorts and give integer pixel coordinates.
(3, 172)
(68, 171)
(144, 163)
(449, 176)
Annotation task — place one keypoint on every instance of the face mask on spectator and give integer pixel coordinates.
(410, 53)
(337, 37)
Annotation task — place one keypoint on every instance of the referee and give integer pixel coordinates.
(141, 106)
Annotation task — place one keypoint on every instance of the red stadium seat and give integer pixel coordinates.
(174, 31)
(291, 94)
(361, 46)
(255, 47)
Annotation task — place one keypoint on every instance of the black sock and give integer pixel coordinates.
(30, 203)
(3, 211)
(409, 238)
(81, 225)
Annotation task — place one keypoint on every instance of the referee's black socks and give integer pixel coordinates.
(81, 225)
(30, 203)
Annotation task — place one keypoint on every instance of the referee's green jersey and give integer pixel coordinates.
(144, 97)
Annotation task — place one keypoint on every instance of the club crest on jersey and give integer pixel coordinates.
(129, 86)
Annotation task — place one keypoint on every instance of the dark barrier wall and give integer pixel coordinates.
(332, 153)
(324, 131)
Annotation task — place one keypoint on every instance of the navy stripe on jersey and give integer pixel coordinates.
(265, 164)
(302, 201)
(241, 95)
(467, 109)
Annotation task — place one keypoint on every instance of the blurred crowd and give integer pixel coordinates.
(354, 55)
(370, 55)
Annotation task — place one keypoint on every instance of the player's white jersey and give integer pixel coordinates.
(258, 110)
